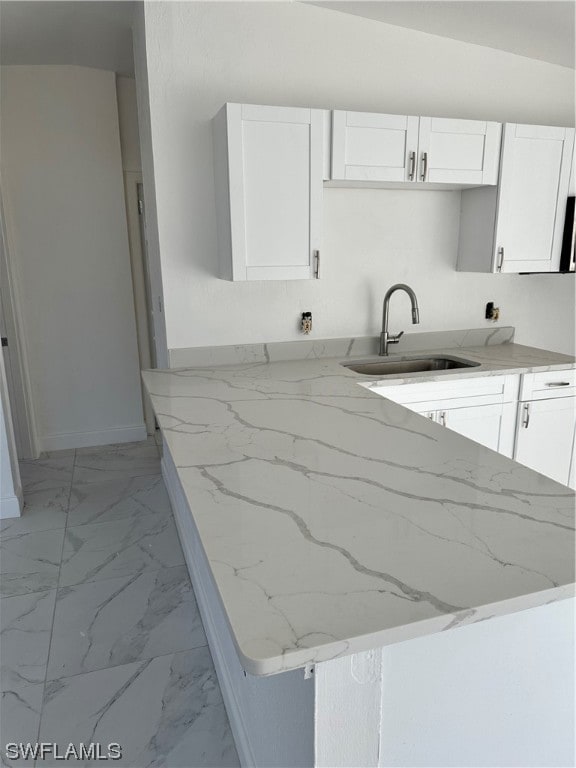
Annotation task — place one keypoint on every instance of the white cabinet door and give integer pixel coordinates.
(482, 409)
(545, 436)
(489, 425)
(458, 151)
(534, 179)
(269, 175)
(375, 147)
(368, 146)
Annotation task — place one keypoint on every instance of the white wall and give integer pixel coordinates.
(200, 55)
(132, 167)
(10, 486)
(149, 183)
(493, 693)
(62, 182)
(128, 124)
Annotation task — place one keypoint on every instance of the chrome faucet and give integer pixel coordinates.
(385, 337)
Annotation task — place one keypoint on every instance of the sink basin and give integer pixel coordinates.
(397, 365)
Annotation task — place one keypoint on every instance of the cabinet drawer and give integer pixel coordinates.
(453, 393)
(548, 384)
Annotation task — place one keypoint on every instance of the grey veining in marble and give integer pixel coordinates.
(337, 521)
(120, 548)
(166, 711)
(20, 709)
(114, 462)
(25, 625)
(29, 562)
(111, 500)
(117, 621)
(44, 509)
(347, 347)
(51, 470)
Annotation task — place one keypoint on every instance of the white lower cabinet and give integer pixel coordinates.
(545, 437)
(489, 425)
(539, 431)
(482, 409)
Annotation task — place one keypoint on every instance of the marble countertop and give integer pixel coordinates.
(336, 521)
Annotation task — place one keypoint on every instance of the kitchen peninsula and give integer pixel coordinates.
(377, 590)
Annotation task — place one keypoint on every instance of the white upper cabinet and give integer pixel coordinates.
(520, 228)
(458, 151)
(536, 163)
(427, 150)
(270, 164)
(269, 175)
(372, 147)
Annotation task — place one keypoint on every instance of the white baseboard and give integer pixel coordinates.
(183, 519)
(59, 442)
(10, 507)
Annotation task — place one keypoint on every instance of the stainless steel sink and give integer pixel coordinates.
(414, 364)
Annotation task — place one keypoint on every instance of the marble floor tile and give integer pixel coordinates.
(117, 621)
(20, 711)
(117, 461)
(29, 562)
(44, 509)
(167, 711)
(25, 627)
(120, 548)
(127, 650)
(51, 470)
(117, 499)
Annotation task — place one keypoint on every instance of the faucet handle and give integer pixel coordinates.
(395, 339)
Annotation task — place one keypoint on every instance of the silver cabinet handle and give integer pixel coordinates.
(431, 415)
(558, 384)
(317, 264)
(526, 417)
(412, 166)
(500, 259)
(424, 165)
(443, 418)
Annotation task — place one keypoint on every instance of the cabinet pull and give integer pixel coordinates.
(558, 384)
(443, 418)
(500, 259)
(526, 417)
(412, 165)
(316, 264)
(424, 165)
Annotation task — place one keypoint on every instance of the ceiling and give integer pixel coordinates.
(539, 29)
(88, 34)
(97, 34)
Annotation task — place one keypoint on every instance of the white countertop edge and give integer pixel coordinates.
(301, 658)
